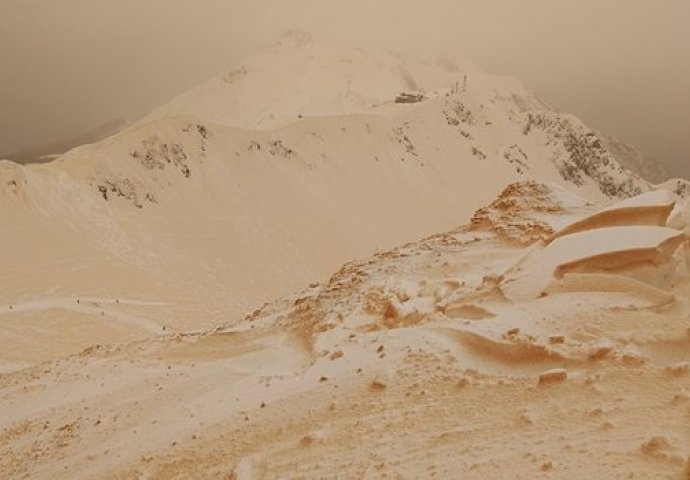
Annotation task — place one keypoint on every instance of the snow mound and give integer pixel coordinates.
(636, 251)
(651, 208)
(596, 282)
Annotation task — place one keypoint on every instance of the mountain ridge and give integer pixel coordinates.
(281, 207)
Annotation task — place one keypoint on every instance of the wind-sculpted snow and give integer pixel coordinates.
(413, 361)
(628, 238)
(652, 208)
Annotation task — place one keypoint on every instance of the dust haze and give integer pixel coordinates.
(375, 262)
(70, 66)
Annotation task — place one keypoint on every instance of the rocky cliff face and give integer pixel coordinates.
(632, 159)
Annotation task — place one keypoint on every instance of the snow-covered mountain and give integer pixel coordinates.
(274, 174)
(542, 333)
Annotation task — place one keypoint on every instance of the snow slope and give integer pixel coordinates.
(408, 364)
(225, 198)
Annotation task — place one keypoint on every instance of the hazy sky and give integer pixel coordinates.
(623, 66)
